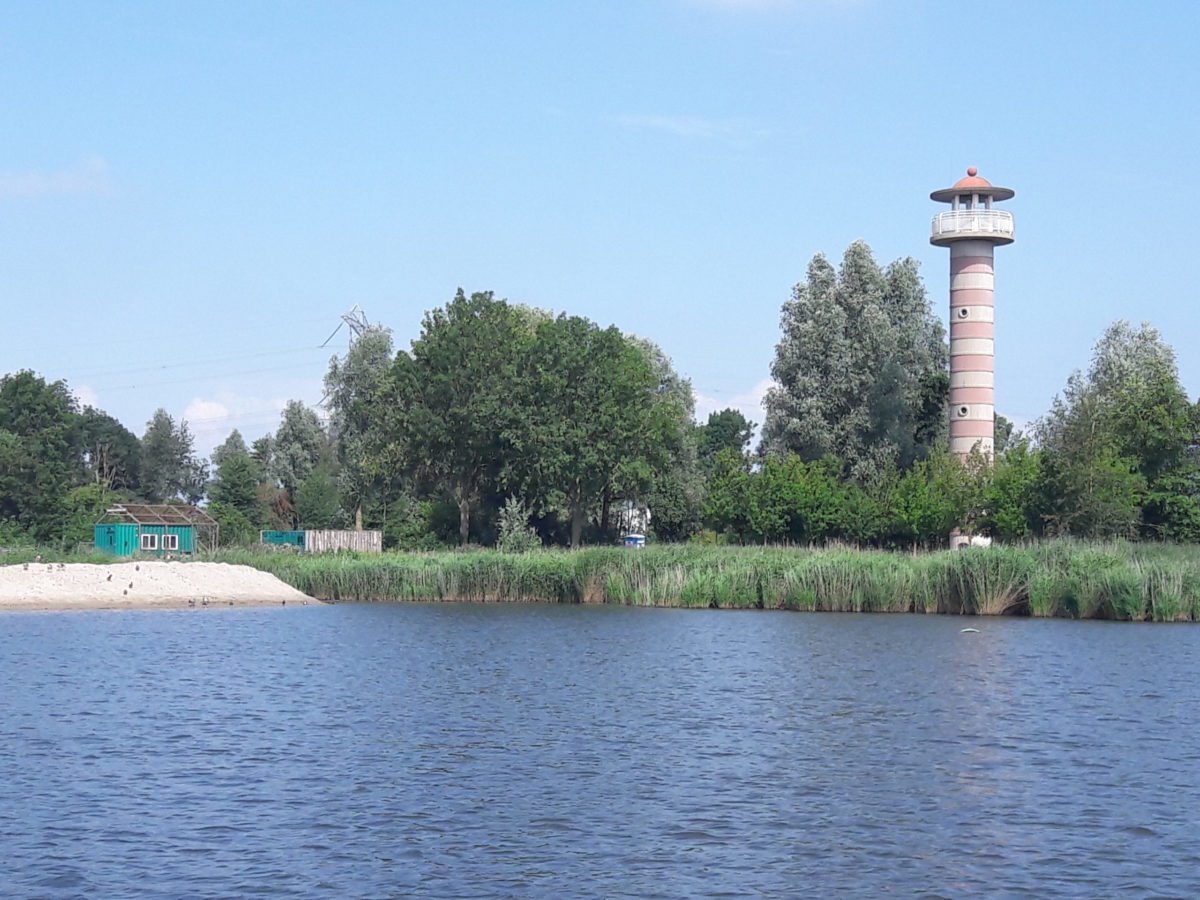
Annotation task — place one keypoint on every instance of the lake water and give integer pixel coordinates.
(537, 751)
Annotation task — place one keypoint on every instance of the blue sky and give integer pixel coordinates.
(190, 195)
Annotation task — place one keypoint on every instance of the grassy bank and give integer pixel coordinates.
(1055, 579)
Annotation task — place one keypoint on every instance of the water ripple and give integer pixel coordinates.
(458, 751)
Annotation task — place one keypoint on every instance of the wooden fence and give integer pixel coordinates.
(332, 541)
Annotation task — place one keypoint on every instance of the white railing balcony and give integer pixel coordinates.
(989, 224)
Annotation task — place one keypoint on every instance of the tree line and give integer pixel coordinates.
(507, 425)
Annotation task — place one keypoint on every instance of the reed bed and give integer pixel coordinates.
(1062, 579)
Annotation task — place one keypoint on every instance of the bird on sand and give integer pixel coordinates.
(109, 578)
(124, 593)
(137, 568)
(131, 584)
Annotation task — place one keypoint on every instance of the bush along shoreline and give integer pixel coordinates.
(1060, 579)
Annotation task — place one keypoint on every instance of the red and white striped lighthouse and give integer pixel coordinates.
(971, 229)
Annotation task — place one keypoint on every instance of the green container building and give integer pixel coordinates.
(155, 530)
(282, 538)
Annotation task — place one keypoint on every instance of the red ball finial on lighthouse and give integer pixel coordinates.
(972, 171)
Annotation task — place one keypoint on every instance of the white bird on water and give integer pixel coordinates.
(969, 631)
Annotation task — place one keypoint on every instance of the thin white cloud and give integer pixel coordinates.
(695, 126)
(88, 177)
(211, 419)
(86, 396)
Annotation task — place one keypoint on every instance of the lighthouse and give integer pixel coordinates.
(972, 228)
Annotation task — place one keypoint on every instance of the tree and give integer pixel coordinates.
(300, 444)
(860, 367)
(1116, 436)
(39, 452)
(515, 534)
(237, 479)
(355, 388)
(1011, 507)
(170, 469)
(318, 500)
(111, 452)
(234, 445)
(666, 478)
(588, 414)
(932, 499)
(724, 430)
(1004, 434)
(726, 505)
(451, 399)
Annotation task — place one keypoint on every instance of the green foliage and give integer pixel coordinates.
(112, 454)
(236, 484)
(859, 368)
(318, 501)
(451, 399)
(727, 505)
(515, 535)
(356, 388)
(169, 467)
(587, 418)
(299, 446)
(39, 453)
(1011, 507)
(83, 508)
(931, 500)
(724, 430)
(410, 525)
(1117, 438)
(236, 528)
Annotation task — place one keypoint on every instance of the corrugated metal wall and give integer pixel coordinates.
(125, 540)
(292, 538)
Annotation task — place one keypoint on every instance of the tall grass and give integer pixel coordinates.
(1054, 579)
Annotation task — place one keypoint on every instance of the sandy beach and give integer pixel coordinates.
(141, 585)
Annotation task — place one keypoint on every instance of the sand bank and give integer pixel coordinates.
(142, 585)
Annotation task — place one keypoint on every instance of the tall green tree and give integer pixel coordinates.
(1116, 434)
(39, 452)
(666, 478)
(355, 387)
(860, 367)
(170, 468)
(727, 500)
(318, 499)
(236, 480)
(112, 453)
(299, 446)
(452, 398)
(727, 429)
(589, 415)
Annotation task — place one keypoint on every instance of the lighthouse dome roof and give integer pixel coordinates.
(973, 184)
